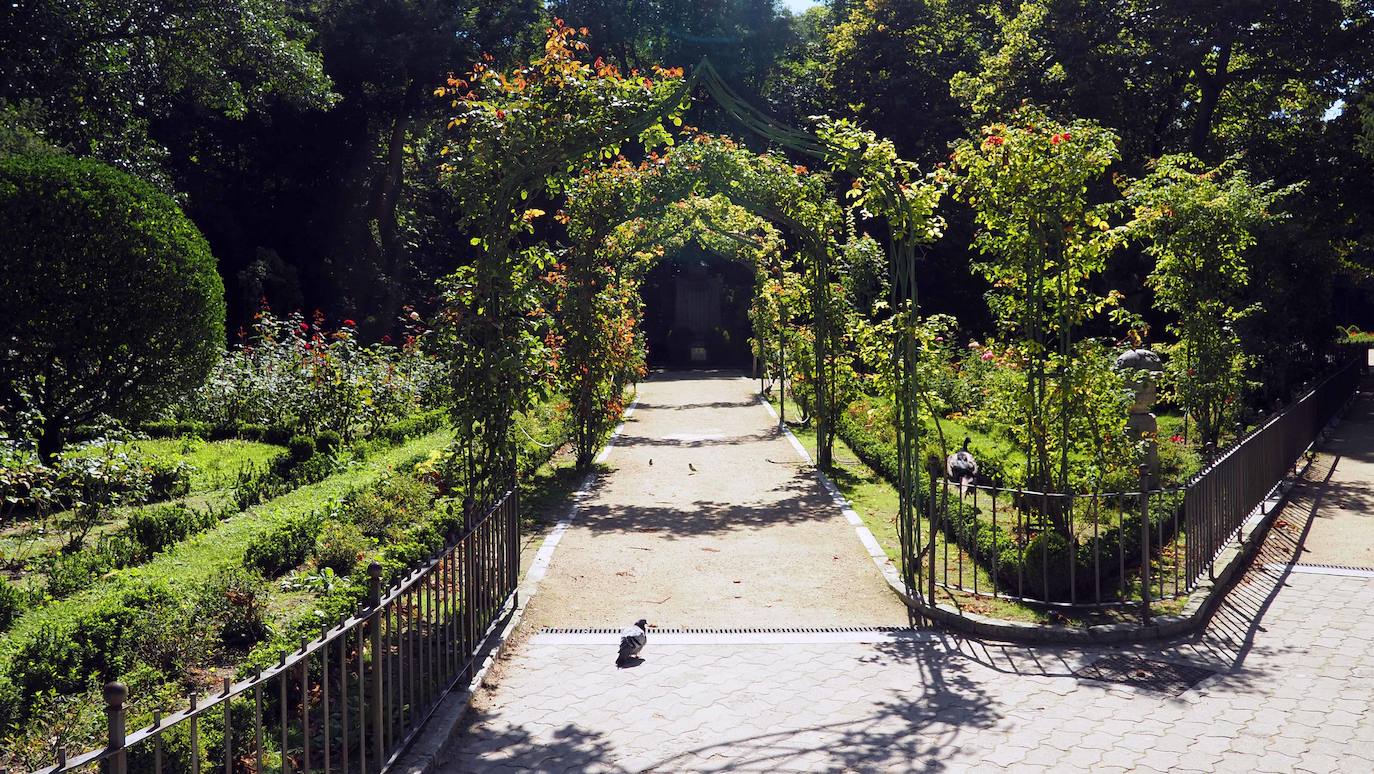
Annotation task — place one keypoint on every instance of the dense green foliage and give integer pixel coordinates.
(113, 302)
(1200, 222)
(306, 377)
(486, 183)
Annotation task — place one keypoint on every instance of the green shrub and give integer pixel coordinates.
(340, 546)
(301, 447)
(392, 503)
(328, 441)
(157, 528)
(169, 479)
(64, 655)
(12, 602)
(252, 432)
(413, 426)
(285, 547)
(129, 312)
(170, 637)
(234, 603)
(166, 428)
(75, 571)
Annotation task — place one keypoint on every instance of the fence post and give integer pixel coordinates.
(374, 600)
(1145, 545)
(931, 546)
(115, 694)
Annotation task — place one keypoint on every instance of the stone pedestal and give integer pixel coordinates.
(1141, 369)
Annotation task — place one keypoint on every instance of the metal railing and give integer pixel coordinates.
(351, 699)
(1241, 478)
(1049, 548)
(1112, 549)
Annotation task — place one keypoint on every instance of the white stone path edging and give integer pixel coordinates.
(763, 637)
(424, 750)
(875, 551)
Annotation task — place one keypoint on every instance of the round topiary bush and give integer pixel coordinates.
(113, 302)
(302, 448)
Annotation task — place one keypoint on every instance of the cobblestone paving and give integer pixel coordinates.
(1292, 690)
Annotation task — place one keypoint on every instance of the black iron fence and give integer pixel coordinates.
(1111, 549)
(351, 699)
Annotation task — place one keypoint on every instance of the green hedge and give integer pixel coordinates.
(94, 644)
(1024, 567)
(12, 604)
(413, 426)
(285, 547)
(149, 530)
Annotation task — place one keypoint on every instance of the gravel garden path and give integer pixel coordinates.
(708, 517)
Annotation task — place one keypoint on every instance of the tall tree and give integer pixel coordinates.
(892, 62)
(1175, 75)
(101, 72)
(318, 207)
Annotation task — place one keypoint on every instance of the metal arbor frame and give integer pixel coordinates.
(902, 257)
(817, 247)
(902, 248)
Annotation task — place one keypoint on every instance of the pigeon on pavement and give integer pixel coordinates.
(632, 641)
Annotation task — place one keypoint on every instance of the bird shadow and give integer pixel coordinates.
(628, 663)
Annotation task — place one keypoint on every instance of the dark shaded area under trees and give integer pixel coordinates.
(302, 138)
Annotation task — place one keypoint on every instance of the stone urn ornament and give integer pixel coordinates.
(1141, 368)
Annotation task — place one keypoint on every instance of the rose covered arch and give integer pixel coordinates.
(743, 187)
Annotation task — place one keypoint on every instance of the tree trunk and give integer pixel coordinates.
(50, 441)
(1211, 85)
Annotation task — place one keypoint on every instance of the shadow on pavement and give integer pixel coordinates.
(1230, 636)
(913, 729)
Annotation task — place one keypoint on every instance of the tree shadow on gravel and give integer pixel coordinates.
(800, 500)
(916, 728)
(625, 441)
(720, 404)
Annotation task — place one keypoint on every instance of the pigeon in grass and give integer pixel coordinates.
(962, 467)
(632, 640)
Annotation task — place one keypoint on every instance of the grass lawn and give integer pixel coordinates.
(214, 464)
(214, 467)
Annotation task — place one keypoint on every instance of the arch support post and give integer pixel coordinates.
(821, 301)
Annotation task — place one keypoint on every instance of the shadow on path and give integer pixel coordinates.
(915, 729)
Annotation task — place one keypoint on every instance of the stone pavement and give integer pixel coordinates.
(1292, 691)
(1342, 531)
(1282, 680)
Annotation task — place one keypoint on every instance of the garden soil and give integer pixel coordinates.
(706, 516)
